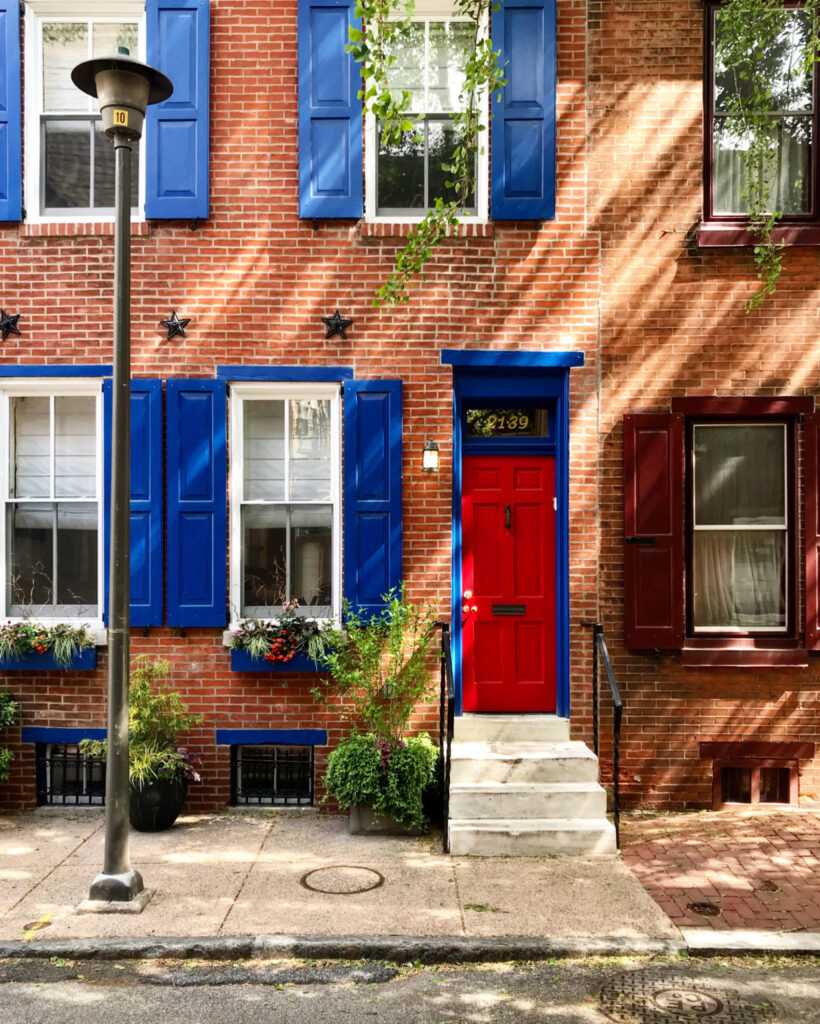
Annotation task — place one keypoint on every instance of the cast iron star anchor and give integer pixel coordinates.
(8, 323)
(336, 324)
(175, 325)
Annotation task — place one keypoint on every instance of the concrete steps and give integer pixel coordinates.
(520, 787)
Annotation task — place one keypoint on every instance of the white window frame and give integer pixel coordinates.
(238, 394)
(45, 387)
(38, 11)
(786, 527)
(429, 10)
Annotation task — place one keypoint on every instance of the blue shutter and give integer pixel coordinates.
(176, 131)
(11, 155)
(523, 128)
(146, 500)
(372, 492)
(330, 112)
(197, 504)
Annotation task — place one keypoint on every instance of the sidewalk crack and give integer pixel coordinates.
(241, 888)
(458, 898)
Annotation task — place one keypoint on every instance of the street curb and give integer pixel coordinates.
(395, 948)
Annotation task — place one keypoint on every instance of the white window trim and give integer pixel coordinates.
(430, 12)
(43, 387)
(55, 10)
(238, 393)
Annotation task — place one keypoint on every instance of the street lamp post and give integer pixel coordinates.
(124, 88)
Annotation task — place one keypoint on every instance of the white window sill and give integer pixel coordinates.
(469, 227)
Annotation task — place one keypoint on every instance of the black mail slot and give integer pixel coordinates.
(509, 609)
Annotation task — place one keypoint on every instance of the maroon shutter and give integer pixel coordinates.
(653, 524)
(811, 482)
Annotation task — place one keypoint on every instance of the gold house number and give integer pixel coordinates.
(121, 117)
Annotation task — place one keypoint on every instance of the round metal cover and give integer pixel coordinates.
(642, 997)
(342, 880)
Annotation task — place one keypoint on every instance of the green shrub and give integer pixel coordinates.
(387, 778)
(9, 712)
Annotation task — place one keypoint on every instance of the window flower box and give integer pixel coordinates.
(243, 661)
(83, 660)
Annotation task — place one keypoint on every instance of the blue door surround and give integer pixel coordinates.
(500, 378)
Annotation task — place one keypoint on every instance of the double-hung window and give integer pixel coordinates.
(285, 508)
(409, 175)
(787, 168)
(69, 159)
(52, 507)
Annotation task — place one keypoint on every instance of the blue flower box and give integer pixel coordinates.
(241, 661)
(84, 659)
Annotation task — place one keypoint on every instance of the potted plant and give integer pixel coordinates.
(379, 671)
(30, 645)
(275, 643)
(159, 769)
(9, 713)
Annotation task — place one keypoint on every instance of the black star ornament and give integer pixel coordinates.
(8, 323)
(336, 324)
(175, 325)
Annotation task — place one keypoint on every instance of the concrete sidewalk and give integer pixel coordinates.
(244, 874)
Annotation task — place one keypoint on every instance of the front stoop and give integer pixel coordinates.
(520, 787)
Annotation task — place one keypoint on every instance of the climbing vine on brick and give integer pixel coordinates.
(384, 22)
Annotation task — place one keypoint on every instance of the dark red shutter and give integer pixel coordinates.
(653, 525)
(811, 482)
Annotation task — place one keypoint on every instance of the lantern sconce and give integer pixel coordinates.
(429, 457)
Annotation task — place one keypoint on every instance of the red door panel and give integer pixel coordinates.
(508, 570)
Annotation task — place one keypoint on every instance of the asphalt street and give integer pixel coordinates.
(590, 991)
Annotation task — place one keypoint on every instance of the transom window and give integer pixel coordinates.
(285, 525)
(740, 573)
(70, 160)
(404, 179)
(789, 171)
(51, 505)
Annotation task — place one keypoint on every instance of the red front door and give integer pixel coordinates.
(508, 580)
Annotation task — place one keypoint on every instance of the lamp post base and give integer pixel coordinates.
(116, 888)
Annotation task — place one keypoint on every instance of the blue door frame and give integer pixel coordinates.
(506, 378)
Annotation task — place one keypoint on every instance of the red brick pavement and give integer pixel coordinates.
(760, 868)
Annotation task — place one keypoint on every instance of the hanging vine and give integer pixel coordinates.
(759, 63)
(384, 24)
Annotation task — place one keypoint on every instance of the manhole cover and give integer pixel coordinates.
(640, 998)
(704, 909)
(342, 880)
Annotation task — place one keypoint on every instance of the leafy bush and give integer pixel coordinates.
(9, 712)
(379, 666)
(156, 716)
(387, 778)
(31, 637)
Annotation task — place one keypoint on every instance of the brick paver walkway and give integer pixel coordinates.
(761, 869)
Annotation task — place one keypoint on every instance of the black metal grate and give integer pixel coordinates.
(272, 775)
(65, 776)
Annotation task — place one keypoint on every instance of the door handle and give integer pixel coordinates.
(508, 518)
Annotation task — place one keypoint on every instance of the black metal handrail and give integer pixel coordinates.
(446, 718)
(599, 646)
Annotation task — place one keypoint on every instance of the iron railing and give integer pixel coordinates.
(600, 652)
(446, 720)
(272, 774)
(66, 776)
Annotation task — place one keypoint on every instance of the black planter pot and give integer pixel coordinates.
(155, 806)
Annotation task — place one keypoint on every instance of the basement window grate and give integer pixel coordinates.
(67, 777)
(272, 774)
(754, 781)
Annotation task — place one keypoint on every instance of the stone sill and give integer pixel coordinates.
(400, 229)
(68, 229)
(743, 657)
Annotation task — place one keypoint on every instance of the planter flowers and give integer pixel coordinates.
(277, 640)
(31, 645)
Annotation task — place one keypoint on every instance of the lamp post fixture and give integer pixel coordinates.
(124, 88)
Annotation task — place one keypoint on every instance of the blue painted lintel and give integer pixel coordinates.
(288, 737)
(286, 374)
(47, 734)
(487, 357)
(45, 370)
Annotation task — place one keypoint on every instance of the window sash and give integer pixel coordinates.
(54, 612)
(239, 395)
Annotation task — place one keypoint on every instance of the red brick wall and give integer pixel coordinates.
(255, 281)
(672, 324)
